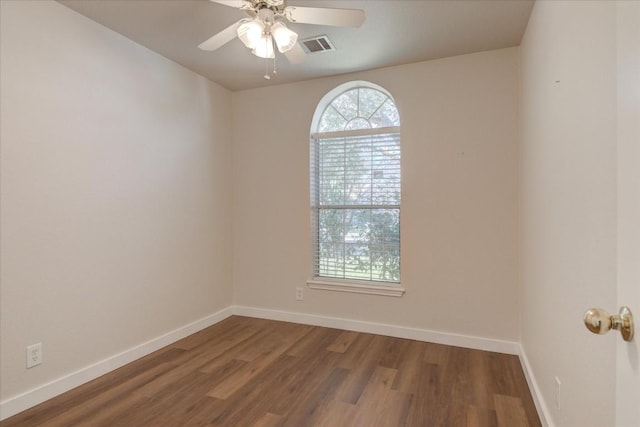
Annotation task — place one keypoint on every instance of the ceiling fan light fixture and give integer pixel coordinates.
(250, 33)
(264, 48)
(285, 38)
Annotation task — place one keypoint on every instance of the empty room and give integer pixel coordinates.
(319, 213)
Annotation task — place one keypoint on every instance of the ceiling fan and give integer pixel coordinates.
(265, 26)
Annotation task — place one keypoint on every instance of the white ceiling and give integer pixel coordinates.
(395, 32)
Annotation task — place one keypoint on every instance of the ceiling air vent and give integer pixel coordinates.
(317, 44)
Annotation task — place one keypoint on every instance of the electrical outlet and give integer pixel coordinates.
(34, 355)
(299, 294)
(556, 394)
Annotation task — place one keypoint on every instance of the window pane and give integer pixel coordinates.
(358, 123)
(347, 104)
(331, 260)
(358, 172)
(385, 244)
(331, 228)
(384, 227)
(359, 244)
(331, 243)
(385, 262)
(356, 225)
(332, 121)
(357, 264)
(369, 101)
(386, 116)
(385, 172)
(331, 172)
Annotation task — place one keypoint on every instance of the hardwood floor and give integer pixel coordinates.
(252, 372)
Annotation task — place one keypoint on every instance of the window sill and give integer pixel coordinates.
(358, 288)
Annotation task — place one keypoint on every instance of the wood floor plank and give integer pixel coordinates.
(510, 412)
(311, 373)
(201, 412)
(443, 394)
(269, 420)
(271, 350)
(481, 417)
(393, 352)
(253, 372)
(227, 328)
(358, 351)
(289, 378)
(314, 342)
(276, 379)
(521, 389)
(364, 365)
(426, 396)
(481, 381)
(169, 407)
(342, 343)
(437, 354)
(115, 398)
(305, 408)
(337, 413)
(371, 402)
(77, 397)
(209, 356)
(408, 365)
(395, 409)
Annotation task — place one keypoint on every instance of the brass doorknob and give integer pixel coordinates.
(600, 322)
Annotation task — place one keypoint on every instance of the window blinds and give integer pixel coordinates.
(355, 188)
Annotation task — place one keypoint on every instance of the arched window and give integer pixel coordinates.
(355, 185)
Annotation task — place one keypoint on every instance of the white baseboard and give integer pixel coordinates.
(33, 397)
(487, 344)
(541, 406)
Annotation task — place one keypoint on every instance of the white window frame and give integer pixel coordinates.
(338, 284)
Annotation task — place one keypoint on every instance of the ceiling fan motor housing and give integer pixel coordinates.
(266, 16)
(276, 6)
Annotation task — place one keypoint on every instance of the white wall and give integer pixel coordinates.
(628, 56)
(568, 204)
(459, 141)
(116, 194)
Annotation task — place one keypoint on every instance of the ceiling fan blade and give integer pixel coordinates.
(222, 38)
(325, 16)
(239, 4)
(296, 54)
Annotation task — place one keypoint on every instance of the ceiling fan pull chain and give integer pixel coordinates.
(274, 65)
(266, 61)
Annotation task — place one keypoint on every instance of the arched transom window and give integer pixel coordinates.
(355, 186)
(359, 108)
